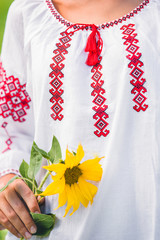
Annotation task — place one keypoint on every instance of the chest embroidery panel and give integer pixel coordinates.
(56, 83)
(98, 92)
(94, 61)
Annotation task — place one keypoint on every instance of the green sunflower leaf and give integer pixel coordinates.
(9, 182)
(55, 151)
(35, 161)
(44, 222)
(42, 152)
(23, 169)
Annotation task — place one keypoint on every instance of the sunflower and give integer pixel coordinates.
(70, 181)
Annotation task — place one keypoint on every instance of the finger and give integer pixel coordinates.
(6, 224)
(41, 200)
(24, 191)
(13, 218)
(20, 209)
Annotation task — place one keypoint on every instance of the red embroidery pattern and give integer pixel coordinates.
(7, 171)
(8, 141)
(56, 75)
(14, 98)
(100, 102)
(136, 67)
(56, 14)
(107, 25)
(2, 73)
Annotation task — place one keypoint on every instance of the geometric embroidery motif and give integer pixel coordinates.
(8, 141)
(56, 75)
(107, 25)
(100, 102)
(14, 98)
(135, 65)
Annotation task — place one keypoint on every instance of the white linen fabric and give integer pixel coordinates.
(127, 205)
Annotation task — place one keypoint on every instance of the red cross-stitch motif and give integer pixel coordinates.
(8, 141)
(56, 75)
(136, 66)
(14, 98)
(106, 25)
(100, 102)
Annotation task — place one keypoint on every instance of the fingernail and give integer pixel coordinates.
(33, 230)
(28, 235)
(19, 235)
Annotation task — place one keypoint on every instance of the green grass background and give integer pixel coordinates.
(2, 235)
(4, 5)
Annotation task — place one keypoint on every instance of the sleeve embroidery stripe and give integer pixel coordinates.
(8, 141)
(14, 98)
(7, 171)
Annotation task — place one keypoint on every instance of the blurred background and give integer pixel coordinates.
(4, 5)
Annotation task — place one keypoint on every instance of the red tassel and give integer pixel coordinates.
(91, 42)
(92, 59)
(93, 47)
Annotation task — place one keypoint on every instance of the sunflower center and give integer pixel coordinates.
(72, 175)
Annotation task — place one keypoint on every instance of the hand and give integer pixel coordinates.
(14, 201)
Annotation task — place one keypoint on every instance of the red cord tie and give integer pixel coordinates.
(94, 47)
(94, 43)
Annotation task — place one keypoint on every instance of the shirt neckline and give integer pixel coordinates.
(67, 23)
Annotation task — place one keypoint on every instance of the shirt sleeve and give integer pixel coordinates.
(16, 111)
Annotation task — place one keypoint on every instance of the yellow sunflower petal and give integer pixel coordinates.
(55, 177)
(54, 187)
(57, 168)
(70, 158)
(80, 196)
(93, 190)
(76, 201)
(87, 189)
(70, 199)
(93, 161)
(91, 170)
(79, 155)
(62, 199)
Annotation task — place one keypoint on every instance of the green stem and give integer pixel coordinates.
(33, 186)
(43, 181)
(26, 179)
(21, 238)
